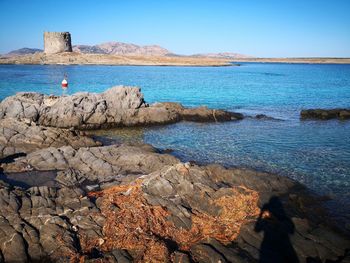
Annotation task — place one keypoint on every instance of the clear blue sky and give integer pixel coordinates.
(265, 28)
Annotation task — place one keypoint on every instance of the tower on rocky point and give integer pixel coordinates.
(57, 42)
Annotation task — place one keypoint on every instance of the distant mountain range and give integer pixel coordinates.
(119, 48)
(23, 51)
(222, 55)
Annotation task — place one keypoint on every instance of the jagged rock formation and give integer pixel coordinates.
(119, 48)
(325, 114)
(118, 106)
(57, 42)
(21, 137)
(170, 212)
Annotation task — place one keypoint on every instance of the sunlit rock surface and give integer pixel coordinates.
(25, 137)
(131, 203)
(116, 107)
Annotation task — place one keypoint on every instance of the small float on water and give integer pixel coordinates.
(64, 82)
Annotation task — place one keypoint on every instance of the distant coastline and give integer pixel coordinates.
(74, 58)
(296, 60)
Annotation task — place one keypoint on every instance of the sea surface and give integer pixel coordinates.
(315, 153)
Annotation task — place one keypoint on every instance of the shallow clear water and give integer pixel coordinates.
(316, 153)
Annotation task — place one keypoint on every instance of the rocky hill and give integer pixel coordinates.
(24, 51)
(119, 48)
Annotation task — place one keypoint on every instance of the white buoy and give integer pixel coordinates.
(64, 83)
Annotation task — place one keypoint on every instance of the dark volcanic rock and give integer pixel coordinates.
(118, 106)
(325, 114)
(22, 137)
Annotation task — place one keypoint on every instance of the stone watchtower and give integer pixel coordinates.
(57, 42)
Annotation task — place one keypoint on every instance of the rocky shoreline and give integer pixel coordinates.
(131, 203)
(117, 107)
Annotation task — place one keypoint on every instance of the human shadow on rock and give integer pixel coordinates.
(277, 226)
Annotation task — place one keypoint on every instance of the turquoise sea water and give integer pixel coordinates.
(316, 153)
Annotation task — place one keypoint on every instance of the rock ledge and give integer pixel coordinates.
(116, 107)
